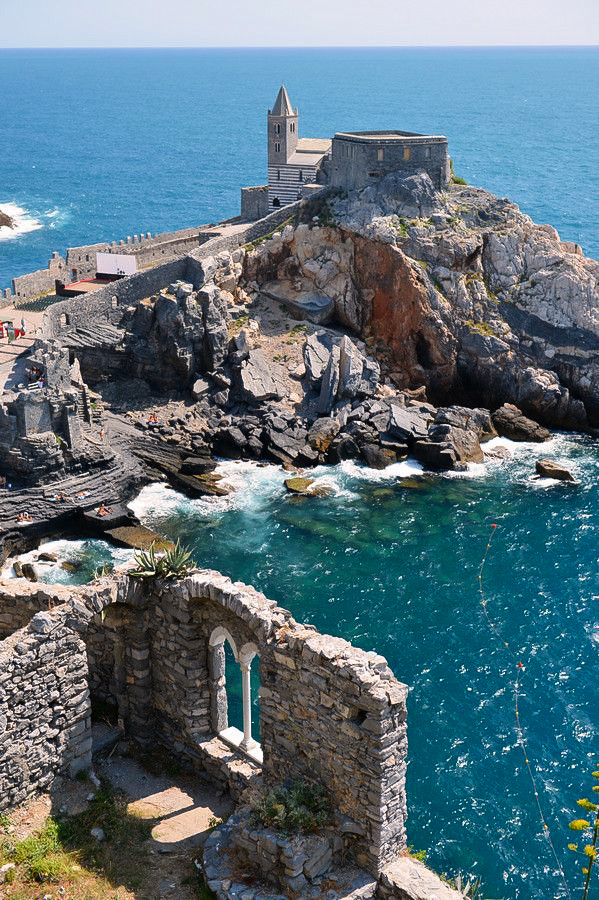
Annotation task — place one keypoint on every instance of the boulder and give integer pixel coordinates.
(261, 379)
(317, 351)
(548, 468)
(28, 571)
(216, 336)
(408, 424)
(377, 457)
(435, 455)
(312, 306)
(511, 423)
(298, 485)
(322, 433)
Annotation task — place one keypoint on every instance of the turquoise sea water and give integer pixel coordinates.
(395, 569)
(99, 144)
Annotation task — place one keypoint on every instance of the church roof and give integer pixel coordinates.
(282, 105)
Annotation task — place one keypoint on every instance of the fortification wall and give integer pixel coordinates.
(36, 283)
(82, 310)
(359, 160)
(254, 202)
(80, 262)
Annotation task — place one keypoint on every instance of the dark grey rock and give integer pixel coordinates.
(261, 379)
(510, 422)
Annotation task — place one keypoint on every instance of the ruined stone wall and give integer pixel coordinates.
(44, 706)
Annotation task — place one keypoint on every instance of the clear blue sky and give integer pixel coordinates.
(205, 23)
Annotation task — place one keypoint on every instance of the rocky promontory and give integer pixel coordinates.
(389, 322)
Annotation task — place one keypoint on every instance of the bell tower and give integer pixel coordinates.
(283, 123)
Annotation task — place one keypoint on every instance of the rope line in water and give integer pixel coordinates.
(520, 739)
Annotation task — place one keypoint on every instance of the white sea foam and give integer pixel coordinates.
(405, 469)
(65, 551)
(24, 222)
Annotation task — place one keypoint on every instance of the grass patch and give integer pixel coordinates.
(64, 851)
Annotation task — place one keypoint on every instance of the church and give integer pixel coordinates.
(350, 160)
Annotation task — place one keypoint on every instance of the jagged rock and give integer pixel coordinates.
(330, 383)
(344, 446)
(261, 379)
(197, 465)
(322, 433)
(201, 387)
(216, 337)
(378, 457)
(510, 422)
(230, 442)
(548, 468)
(408, 424)
(317, 351)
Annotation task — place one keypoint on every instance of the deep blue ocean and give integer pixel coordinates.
(101, 144)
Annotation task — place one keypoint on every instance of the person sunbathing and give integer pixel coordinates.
(103, 510)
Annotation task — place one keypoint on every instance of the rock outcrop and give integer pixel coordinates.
(457, 291)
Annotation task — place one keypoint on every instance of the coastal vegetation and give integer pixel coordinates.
(293, 809)
(588, 829)
(174, 562)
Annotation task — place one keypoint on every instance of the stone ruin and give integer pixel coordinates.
(50, 422)
(330, 715)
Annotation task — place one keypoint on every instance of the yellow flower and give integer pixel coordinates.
(579, 825)
(572, 846)
(590, 851)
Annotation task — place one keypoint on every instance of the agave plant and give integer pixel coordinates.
(146, 562)
(470, 889)
(176, 562)
(172, 563)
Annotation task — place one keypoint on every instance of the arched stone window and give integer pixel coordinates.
(218, 692)
(114, 302)
(276, 202)
(64, 320)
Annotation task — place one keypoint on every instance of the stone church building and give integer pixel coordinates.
(350, 160)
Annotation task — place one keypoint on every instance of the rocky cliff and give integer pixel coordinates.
(459, 292)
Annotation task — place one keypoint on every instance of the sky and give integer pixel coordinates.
(246, 23)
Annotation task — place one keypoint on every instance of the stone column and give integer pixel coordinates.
(248, 743)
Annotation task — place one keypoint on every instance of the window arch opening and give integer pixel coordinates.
(234, 686)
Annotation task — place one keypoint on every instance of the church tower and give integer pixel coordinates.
(282, 130)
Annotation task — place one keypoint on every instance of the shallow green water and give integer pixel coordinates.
(394, 570)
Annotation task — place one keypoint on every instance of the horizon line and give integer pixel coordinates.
(455, 46)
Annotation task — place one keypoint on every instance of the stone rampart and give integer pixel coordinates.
(81, 311)
(80, 262)
(362, 158)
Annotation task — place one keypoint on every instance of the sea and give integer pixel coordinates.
(99, 144)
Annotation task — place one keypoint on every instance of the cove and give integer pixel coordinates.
(393, 568)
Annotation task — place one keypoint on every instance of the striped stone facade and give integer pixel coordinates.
(286, 182)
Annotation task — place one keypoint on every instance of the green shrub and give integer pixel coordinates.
(299, 808)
